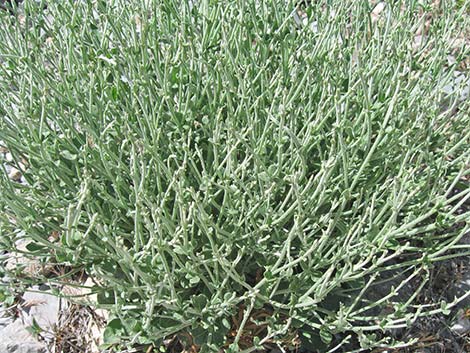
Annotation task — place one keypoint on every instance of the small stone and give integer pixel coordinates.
(15, 174)
(19, 261)
(460, 83)
(451, 59)
(461, 327)
(42, 306)
(300, 17)
(378, 9)
(9, 157)
(417, 42)
(22, 20)
(138, 24)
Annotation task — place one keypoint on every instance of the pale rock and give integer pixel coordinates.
(18, 260)
(41, 305)
(15, 174)
(451, 59)
(38, 306)
(417, 42)
(459, 83)
(461, 327)
(378, 9)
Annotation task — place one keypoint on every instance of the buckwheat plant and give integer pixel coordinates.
(237, 175)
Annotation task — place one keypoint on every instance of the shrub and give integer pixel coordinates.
(229, 176)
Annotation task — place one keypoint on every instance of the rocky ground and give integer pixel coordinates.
(27, 326)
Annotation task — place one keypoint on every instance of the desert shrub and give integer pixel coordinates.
(230, 177)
